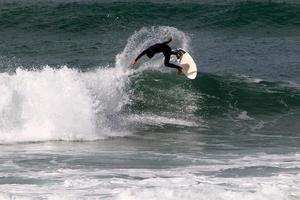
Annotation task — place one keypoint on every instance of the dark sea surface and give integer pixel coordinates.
(78, 122)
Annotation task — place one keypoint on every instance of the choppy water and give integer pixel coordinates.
(77, 122)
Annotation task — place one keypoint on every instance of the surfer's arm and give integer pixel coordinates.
(133, 61)
(141, 54)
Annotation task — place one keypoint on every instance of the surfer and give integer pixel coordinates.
(160, 48)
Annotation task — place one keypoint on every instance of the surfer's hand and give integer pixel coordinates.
(133, 61)
(170, 38)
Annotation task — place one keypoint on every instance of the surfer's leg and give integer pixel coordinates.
(168, 64)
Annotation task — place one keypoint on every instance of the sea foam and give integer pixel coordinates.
(59, 104)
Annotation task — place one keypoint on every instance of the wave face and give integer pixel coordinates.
(216, 95)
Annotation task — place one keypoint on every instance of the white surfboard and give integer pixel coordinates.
(186, 61)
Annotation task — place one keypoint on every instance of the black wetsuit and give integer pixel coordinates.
(160, 48)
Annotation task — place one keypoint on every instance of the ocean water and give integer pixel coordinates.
(78, 122)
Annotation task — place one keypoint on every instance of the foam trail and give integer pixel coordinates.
(146, 37)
